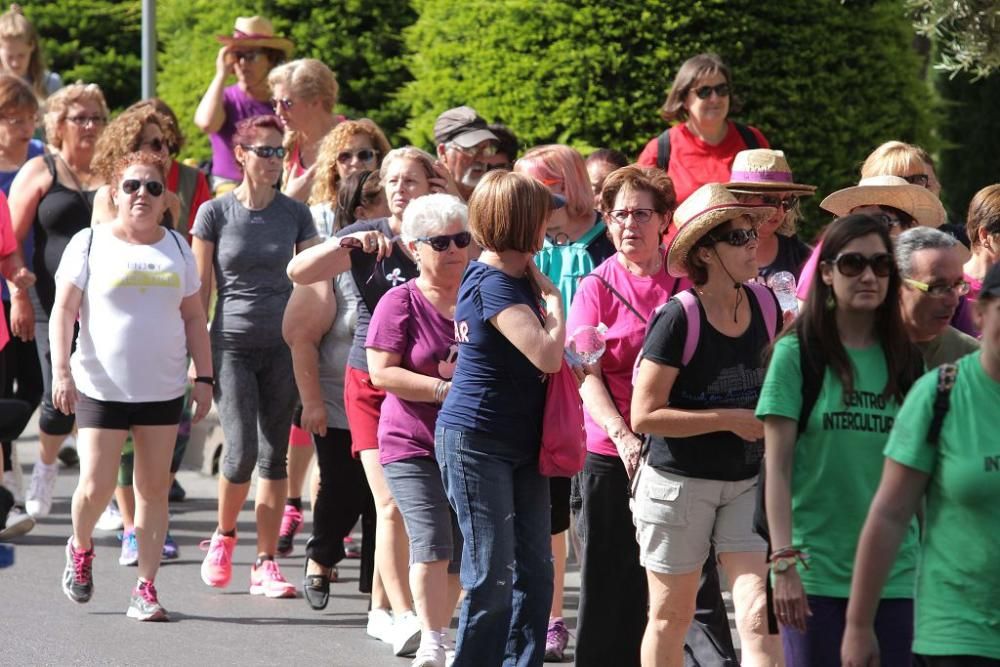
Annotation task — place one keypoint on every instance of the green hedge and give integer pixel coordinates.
(826, 81)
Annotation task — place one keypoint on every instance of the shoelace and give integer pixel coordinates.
(148, 592)
(81, 565)
(271, 572)
(220, 555)
(290, 522)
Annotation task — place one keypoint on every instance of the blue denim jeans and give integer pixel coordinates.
(503, 509)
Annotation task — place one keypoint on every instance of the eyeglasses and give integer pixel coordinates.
(19, 121)
(87, 120)
(489, 150)
(735, 237)
(132, 185)
(265, 151)
(640, 215)
(784, 203)
(155, 145)
(285, 103)
(704, 92)
(940, 290)
(917, 179)
(364, 155)
(853, 264)
(443, 242)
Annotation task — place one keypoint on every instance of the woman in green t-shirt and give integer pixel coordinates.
(957, 618)
(848, 354)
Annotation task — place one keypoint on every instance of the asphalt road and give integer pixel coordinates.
(40, 626)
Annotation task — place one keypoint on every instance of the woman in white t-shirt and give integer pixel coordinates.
(134, 286)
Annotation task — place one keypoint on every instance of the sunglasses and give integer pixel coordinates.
(784, 203)
(443, 242)
(364, 155)
(132, 185)
(917, 179)
(734, 237)
(285, 103)
(265, 151)
(704, 92)
(87, 120)
(940, 290)
(244, 56)
(640, 215)
(156, 145)
(853, 264)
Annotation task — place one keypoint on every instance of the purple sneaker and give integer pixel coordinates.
(555, 640)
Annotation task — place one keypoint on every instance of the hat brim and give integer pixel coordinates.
(282, 44)
(473, 138)
(691, 232)
(919, 202)
(761, 186)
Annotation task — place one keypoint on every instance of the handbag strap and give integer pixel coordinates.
(619, 296)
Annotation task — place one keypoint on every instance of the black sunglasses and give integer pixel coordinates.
(853, 264)
(365, 155)
(443, 242)
(704, 92)
(265, 151)
(784, 203)
(734, 237)
(132, 185)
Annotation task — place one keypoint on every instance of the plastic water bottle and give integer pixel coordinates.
(6, 555)
(783, 286)
(588, 343)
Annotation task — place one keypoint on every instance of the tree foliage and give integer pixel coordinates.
(967, 33)
(826, 82)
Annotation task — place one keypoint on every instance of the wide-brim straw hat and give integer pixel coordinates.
(708, 207)
(763, 169)
(257, 31)
(919, 202)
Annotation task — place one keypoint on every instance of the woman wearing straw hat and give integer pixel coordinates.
(250, 53)
(696, 486)
(762, 177)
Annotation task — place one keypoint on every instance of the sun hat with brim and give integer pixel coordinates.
(705, 209)
(256, 32)
(920, 203)
(763, 169)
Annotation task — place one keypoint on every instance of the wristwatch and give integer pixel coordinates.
(782, 565)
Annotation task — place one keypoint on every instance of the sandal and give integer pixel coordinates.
(316, 588)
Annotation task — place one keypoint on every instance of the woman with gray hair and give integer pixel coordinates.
(411, 356)
(378, 261)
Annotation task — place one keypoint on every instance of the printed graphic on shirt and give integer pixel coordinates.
(864, 411)
(146, 274)
(446, 367)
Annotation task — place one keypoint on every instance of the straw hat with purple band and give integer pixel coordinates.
(919, 202)
(463, 126)
(256, 32)
(763, 169)
(708, 207)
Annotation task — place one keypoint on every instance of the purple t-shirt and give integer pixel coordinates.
(236, 105)
(406, 323)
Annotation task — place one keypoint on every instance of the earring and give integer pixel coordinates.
(831, 301)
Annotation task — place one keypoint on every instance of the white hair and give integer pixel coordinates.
(916, 239)
(430, 214)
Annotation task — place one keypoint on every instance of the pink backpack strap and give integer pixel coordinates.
(766, 301)
(690, 303)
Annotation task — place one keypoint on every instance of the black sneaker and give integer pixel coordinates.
(69, 456)
(144, 605)
(177, 493)
(78, 580)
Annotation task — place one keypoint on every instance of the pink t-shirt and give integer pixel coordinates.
(8, 244)
(406, 323)
(595, 304)
(808, 271)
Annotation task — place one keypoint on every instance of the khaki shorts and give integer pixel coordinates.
(678, 518)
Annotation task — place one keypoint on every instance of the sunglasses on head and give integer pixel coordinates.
(132, 185)
(704, 92)
(443, 242)
(734, 237)
(364, 155)
(265, 151)
(285, 103)
(853, 264)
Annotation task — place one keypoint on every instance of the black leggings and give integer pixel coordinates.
(21, 378)
(343, 496)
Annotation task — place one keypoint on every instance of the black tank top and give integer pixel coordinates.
(61, 213)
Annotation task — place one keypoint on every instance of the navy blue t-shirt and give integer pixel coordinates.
(496, 390)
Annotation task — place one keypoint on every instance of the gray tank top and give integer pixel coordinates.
(334, 349)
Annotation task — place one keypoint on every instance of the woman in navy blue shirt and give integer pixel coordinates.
(510, 328)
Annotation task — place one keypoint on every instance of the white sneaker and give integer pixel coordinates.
(380, 625)
(13, 485)
(405, 634)
(111, 518)
(19, 523)
(429, 656)
(43, 482)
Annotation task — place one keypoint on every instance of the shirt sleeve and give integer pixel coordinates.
(664, 342)
(8, 243)
(387, 330)
(497, 293)
(647, 158)
(781, 393)
(192, 281)
(586, 308)
(73, 265)
(307, 228)
(205, 222)
(907, 442)
(808, 272)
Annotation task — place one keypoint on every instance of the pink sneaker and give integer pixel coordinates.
(217, 568)
(266, 580)
(291, 524)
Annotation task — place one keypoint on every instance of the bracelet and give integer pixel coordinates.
(441, 391)
(206, 379)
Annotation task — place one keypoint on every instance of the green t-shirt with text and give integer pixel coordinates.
(837, 467)
(958, 581)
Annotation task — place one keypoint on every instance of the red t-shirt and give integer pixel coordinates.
(8, 244)
(202, 193)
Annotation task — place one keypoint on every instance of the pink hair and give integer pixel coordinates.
(558, 162)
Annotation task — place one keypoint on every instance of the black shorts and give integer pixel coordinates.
(94, 413)
(559, 488)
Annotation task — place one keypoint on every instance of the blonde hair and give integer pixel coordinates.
(60, 102)
(327, 178)
(14, 25)
(425, 159)
(507, 211)
(895, 158)
(310, 80)
(557, 162)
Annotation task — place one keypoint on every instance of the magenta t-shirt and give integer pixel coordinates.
(236, 105)
(406, 323)
(596, 304)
